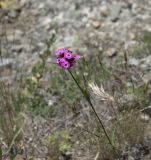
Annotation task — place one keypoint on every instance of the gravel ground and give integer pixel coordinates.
(84, 25)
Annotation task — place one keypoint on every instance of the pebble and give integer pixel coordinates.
(144, 117)
(23, 2)
(13, 14)
(133, 62)
(15, 36)
(96, 24)
(104, 10)
(115, 11)
(111, 52)
(5, 62)
(45, 21)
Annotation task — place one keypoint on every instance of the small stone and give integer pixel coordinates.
(130, 158)
(41, 6)
(45, 21)
(148, 28)
(115, 11)
(18, 48)
(104, 10)
(86, 11)
(50, 102)
(96, 24)
(144, 117)
(5, 62)
(23, 2)
(12, 14)
(16, 36)
(111, 52)
(132, 36)
(133, 62)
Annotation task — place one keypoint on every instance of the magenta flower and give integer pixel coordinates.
(60, 52)
(65, 58)
(65, 65)
(61, 60)
(68, 55)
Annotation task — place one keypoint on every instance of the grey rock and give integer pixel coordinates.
(23, 2)
(96, 24)
(16, 36)
(45, 21)
(115, 11)
(131, 158)
(133, 62)
(5, 61)
(144, 117)
(111, 52)
(86, 11)
(104, 10)
(13, 14)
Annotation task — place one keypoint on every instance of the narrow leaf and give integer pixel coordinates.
(0, 153)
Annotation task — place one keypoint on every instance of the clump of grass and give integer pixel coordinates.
(10, 120)
(125, 128)
(57, 143)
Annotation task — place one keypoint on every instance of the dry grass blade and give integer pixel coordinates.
(100, 93)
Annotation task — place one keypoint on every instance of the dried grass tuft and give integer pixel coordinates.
(101, 93)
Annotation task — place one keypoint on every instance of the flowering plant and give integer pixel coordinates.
(65, 58)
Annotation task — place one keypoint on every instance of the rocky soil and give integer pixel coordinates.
(87, 26)
(83, 25)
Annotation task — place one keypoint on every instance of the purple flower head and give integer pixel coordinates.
(60, 52)
(77, 57)
(65, 65)
(68, 55)
(65, 58)
(60, 60)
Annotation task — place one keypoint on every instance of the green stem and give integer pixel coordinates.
(13, 140)
(87, 97)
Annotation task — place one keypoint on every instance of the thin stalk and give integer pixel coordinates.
(126, 59)
(87, 97)
(7, 108)
(13, 140)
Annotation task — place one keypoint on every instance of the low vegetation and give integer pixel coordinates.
(115, 93)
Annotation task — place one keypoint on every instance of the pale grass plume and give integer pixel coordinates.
(100, 92)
